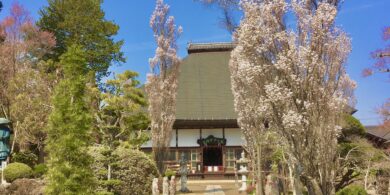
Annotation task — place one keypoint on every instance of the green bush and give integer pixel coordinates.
(136, 171)
(16, 171)
(39, 170)
(352, 126)
(26, 157)
(132, 171)
(352, 190)
(169, 173)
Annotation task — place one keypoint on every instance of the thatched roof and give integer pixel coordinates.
(379, 132)
(204, 91)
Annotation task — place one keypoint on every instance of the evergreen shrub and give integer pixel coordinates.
(353, 126)
(39, 170)
(169, 173)
(16, 170)
(135, 170)
(352, 189)
(132, 172)
(26, 157)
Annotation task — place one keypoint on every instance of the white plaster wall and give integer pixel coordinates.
(215, 132)
(171, 144)
(148, 144)
(188, 137)
(173, 139)
(233, 137)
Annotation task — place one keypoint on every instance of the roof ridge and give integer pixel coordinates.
(209, 47)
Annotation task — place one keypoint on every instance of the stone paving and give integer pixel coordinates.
(212, 187)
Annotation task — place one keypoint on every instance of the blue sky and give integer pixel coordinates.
(363, 20)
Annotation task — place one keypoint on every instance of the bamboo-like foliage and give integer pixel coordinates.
(161, 85)
(294, 80)
(68, 135)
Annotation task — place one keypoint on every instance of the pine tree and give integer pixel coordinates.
(83, 23)
(69, 130)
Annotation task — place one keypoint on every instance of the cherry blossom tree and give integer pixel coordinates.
(25, 87)
(381, 56)
(384, 112)
(381, 65)
(293, 82)
(161, 85)
(230, 9)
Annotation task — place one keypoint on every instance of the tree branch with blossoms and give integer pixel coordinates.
(294, 79)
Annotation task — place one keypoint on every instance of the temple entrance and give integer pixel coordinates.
(212, 156)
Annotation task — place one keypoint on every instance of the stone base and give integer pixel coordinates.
(242, 189)
(185, 190)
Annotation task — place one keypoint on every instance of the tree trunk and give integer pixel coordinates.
(14, 139)
(313, 188)
(388, 187)
(294, 180)
(259, 190)
(292, 183)
(366, 177)
(109, 173)
(41, 155)
(159, 154)
(282, 182)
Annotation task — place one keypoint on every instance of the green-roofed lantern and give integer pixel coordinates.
(4, 139)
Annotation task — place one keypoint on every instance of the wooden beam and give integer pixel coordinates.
(177, 138)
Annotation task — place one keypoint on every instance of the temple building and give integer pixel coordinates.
(205, 129)
(379, 137)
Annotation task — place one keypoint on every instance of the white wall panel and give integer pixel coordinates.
(233, 137)
(173, 139)
(171, 144)
(188, 137)
(148, 144)
(215, 132)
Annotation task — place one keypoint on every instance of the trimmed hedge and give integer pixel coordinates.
(132, 171)
(353, 126)
(25, 157)
(169, 173)
(39, 170)
(352, 189)
(17, 170)
(135, 170)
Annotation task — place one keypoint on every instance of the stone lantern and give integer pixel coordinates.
(5, 133)
(183, 174)
(4, 139)
(242, 163)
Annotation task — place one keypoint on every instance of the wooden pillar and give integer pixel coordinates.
(177, 138)
(201, 154)
(223, 151)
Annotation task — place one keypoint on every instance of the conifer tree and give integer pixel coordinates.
(69, 130)
(82, 23)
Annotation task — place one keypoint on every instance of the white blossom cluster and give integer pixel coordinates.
(293, 79)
